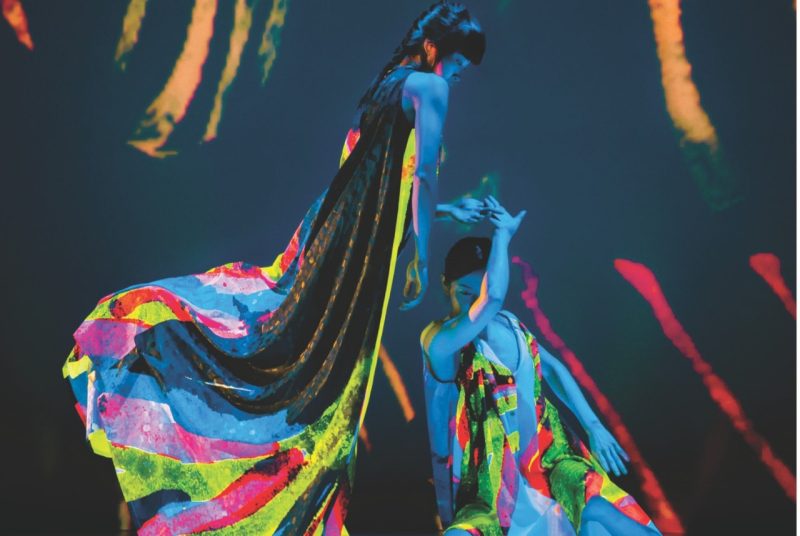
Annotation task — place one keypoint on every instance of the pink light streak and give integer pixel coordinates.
(643, 280)
(664, 515)
(768, 266)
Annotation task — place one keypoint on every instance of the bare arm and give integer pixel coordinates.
(465, 210)
(441, 342)
(566, 389)
(444, 211)
(430, 97)
(602, 443)
(428, 94)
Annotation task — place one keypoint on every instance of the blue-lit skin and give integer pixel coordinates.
(425, 100)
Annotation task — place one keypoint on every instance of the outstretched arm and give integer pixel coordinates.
(465, 210)
(442, 342)
(602, 443)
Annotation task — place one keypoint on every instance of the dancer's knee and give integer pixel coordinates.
(598, 511)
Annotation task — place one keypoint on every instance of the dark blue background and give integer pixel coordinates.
(567, 110)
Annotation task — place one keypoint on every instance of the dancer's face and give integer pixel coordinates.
(451, 66)
(464, 291)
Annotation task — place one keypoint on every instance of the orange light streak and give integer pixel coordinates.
(683, 99)
(699, 139)
(396, 381)
(242, 20)
(363, 435)
(124, 515)
(131, 25)
(169, 108)
(15, 15)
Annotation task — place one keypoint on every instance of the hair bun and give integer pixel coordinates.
(470, 254)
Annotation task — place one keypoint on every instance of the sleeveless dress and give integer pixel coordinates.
(230, 401)
(497, 474)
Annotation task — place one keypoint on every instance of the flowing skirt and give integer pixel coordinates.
(182, 384)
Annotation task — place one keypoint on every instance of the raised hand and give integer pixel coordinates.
(501, 219)
(607, 451)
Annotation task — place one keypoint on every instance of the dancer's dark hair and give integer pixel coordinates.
(449, 26)
(468, 255)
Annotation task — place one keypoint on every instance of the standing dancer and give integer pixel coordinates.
(503, 462)
(232, 399)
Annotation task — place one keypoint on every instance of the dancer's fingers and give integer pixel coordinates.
(607, 463)
(618, 463)
(621, 451)
(612, 461)
(603, 462)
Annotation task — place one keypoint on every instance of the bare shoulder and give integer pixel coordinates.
(426, 85)
(429, 333)
(442, 368)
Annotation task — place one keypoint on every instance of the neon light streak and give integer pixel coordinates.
(664, 515)
(131, 25)
(683, 99)
(699, 140)
(363, 435)
(488, 185)
(768, 266)
(169, 108)
(124, 516)
(243, 19)
(643, 280)
(15, 15)
(271, 39)
(396, 381)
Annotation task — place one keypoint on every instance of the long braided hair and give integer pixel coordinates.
(449, 26)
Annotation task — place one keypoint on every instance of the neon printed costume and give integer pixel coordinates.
(231, 400)
(496, 473)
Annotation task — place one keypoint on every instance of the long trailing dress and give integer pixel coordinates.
(231, 400)
(498, 471)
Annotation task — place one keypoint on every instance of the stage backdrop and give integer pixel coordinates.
(654, 150)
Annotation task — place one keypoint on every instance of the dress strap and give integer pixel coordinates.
(519, 333)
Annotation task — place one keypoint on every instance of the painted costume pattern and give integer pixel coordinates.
(478, 458)
(230, 401)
